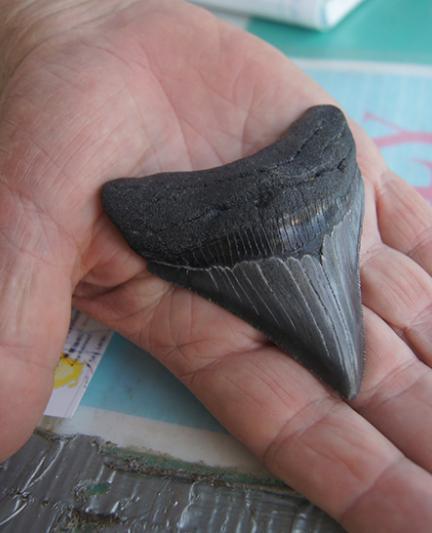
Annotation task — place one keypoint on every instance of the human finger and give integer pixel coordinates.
(400, 292)
(396, 393)
(405, 219)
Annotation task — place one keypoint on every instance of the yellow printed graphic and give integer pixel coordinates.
(68, 372)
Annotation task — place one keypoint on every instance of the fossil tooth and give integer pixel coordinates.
(273, 237)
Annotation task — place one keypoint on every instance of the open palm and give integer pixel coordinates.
(98, 90)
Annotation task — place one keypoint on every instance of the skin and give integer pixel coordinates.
(96, 90)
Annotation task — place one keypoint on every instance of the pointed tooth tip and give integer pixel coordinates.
(350, 392)
(348, 386)
(347, 381)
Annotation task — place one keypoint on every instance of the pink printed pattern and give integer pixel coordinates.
(399, 135)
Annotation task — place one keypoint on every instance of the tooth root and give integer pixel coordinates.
(267, 239)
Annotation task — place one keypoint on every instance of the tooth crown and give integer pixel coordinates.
(273, 237)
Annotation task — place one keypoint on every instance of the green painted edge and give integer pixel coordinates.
(165, 465)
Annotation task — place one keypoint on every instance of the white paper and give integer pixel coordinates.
(318, 14)
(86, 342)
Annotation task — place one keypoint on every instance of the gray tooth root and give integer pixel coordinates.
(274, 238)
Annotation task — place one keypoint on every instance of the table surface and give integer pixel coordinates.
(378, 30)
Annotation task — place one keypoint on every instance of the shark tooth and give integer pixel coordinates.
(274, 238)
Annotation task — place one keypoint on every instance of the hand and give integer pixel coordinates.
(97, 90)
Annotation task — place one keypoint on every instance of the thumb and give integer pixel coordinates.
(35, 302)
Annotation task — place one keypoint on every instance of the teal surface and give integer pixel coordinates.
(131, 381)
(378, 30)
(394, 110)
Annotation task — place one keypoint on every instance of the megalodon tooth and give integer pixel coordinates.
(273, 237)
